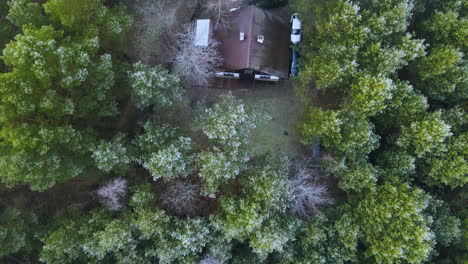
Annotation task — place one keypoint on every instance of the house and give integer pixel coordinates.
(254, 45)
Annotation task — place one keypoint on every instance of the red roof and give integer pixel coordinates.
(270, 57)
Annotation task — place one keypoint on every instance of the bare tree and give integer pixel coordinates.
(208, 259)
(111, 194)
(181, 197)
(308, 192)
(156, 17)
(221, 9)
(195, 64)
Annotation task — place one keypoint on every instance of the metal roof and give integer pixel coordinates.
(271, 56)
(202, 32)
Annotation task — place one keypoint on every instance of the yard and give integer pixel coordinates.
(277, 100)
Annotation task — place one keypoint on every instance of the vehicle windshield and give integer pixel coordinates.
(296, 31)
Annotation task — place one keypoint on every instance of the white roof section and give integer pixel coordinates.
(202, 32)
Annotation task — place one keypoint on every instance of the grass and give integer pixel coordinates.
(278, 134)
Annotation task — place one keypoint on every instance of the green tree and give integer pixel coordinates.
(163, 154)
(172, 240)
(73, 240)
(405, 106)
(442, 68)
(331, 54)
(394, 162)
(154, 86)
(449, 167)
(55, 84)
(445, 225)
(23, 12)
(441, 74)
(217, 167)
(330, 237)
(369, 94)
(228, 125)
(109, 155)
(79, 16)
(16, 231)
(421, 137)
(7, 30)
(393, 225)
(354, 174)
(325, 124)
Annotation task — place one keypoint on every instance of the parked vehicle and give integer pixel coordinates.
(294, 62)
(296, 31)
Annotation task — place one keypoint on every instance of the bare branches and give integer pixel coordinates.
(208, 259)
(308, 192)
(195, 64)
(155, 14)
(156, 17)
(111, 194)
(182, 198)
(220, 10)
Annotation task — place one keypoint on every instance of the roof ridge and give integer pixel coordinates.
(252, 8)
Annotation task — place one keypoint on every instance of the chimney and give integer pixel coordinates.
(260, 38)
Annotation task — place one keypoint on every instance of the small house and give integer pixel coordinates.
(254, 45)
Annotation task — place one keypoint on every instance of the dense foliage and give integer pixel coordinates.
(107, 159)
(398, 122)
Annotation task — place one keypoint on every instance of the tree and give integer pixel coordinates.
(393, 225)
(23, 12)
(195, 64)
(445, 225)
(273, 235)
(89, 16)
(449, 167)
(394, 162)
(54, 84)
(385, 60)
(16, 231)
(171, 161)
(354, 174)
(447, 26)
(325, 124)
(426, 135)
(112, 155)
(184, 241)
(441, 74)
(442, 70)
(111, 194)
(163, 154)
(268, 183)
(335, 36)
(344, 132)
(153, 21)
(330, 237)
(181, 197)
(154, 86)
(405, 106)
(221, 8)
(388, 17)
(369, 93)
(216, 168)
(228, 124)
(72, 241)
(308, 193)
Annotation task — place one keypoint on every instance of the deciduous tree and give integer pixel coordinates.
(154, 86)
(195, 64)
(393, 224)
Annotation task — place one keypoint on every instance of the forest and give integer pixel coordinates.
(105, 159)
